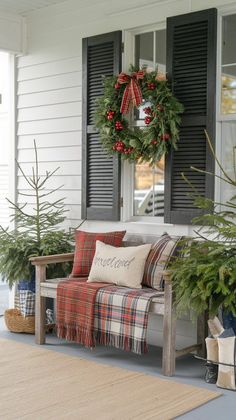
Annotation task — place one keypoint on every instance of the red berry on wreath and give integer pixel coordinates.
(147, 120)
(117, 85)
(151, 86)
(110, 115)
(118, 126)
(120, 146)
(154, 142)
(165, 136)
(147, 110)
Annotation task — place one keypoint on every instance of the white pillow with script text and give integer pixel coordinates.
(121, 266)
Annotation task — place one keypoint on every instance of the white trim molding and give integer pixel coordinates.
(12, 33)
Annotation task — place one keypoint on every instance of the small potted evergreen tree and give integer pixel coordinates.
(37, 231)
(204, 277)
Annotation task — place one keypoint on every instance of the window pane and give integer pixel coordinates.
(161, 51)
(228, 158)
(144, 50)
(149, 181)
(149, 189)
(228, 78)
(228, 39)
(228, 81)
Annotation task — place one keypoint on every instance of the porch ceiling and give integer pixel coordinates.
(23, 7)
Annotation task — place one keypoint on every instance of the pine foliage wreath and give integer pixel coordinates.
(122, 94)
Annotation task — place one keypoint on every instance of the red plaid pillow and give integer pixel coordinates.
(85, 246)
(158, 259)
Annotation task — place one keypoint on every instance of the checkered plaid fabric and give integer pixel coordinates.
(85, 249)
(27, 302)
(121, 317)
(17, 300)
(75, 310)
(158, 259)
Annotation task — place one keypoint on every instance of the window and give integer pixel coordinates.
(228, 102)
(191, 53)
(150, 52)
(228, 77)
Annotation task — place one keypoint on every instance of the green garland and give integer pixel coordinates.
(162, 119)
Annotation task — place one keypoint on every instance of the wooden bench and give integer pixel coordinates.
(162, 305)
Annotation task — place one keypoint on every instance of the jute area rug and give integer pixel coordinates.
(40, 384)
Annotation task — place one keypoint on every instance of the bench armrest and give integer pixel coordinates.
(52, 259)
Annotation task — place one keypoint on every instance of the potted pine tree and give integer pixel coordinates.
(204, 277)
(37, 230)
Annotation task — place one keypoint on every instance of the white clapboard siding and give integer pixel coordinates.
(61, 96)
(49, 83)
(50, 69)
(50, 140)
(51, 155)
(65, 168)
(72, 211)
(4, 192)
(69, 196)
(49, 111)
(68, 183)
(53, 125)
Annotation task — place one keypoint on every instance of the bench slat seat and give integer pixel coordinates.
(49, 289)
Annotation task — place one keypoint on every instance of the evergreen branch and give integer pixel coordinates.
(23, 174)
(26, 194)
(47, 176)
(18, 208)
(202, 171)
(231, 181)
(51, 192)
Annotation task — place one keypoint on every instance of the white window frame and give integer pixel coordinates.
(220, 118)
(127, 169)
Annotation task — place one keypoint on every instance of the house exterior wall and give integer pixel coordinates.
(4, 137)
(49, 85)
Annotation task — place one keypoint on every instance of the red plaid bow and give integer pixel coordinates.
(132, 93)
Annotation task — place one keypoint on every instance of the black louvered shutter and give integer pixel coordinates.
(191, 67)
(100, 173)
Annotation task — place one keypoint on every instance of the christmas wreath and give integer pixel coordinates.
(125, 92)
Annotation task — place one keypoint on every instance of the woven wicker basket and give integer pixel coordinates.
(15, 322)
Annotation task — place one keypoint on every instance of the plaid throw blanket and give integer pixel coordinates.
(75, 310)
(121, 317)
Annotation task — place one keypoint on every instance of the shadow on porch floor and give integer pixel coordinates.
(188, 370)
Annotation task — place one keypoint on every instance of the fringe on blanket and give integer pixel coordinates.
(121, 342)
(77, 334)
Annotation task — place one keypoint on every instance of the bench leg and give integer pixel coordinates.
(40, 307)
(169, 334)
(202, 333)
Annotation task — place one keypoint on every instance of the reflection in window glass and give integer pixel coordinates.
(160, 53)
(144, 51)
(228, 78)
(149, 189)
